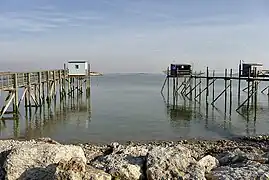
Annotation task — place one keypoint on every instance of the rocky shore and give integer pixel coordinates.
(242, 158)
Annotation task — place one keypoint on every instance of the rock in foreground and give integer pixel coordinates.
(47, 159)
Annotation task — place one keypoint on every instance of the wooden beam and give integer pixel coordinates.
(23, 95)
(7, 104)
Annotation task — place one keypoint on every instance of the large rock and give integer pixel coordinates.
(5, 149)
(38, 160)
(124, 162)
(247, 170)
(168, 163)
(195, 171)
(208, 162)
(76, 169)
(239, 156)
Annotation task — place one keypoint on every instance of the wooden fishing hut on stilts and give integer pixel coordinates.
(194, 86)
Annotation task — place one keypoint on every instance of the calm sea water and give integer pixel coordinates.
(130, 107)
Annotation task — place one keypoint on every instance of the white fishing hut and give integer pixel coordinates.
(78, 68)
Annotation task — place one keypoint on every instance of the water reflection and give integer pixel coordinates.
(48, 119)
(191, 115)
(180, 112)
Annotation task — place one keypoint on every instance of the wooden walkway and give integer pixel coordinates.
(38, 88)
(9, 80)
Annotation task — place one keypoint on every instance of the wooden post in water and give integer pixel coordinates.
(225, 92)
(231, 90)
(25, 78)
(213, 88)
(239, 85)
(60, 84)
(256, 94)
(69, 86)
(168, 84)
(88, 84)
(16, 98)
(81, 84)
(25, 89)
(43, 87)
(73, 86)
(35, 91)
(200, 87)
(185, 86)
(207, 85)
(39, 88)
(48, 88)
(191, 83)
(249, 71)
(252, 93)
(195, 82)
(29, 94)
(64, 82)
(54, 84)
(174, 92)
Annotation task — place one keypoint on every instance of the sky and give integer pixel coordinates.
(119, 36)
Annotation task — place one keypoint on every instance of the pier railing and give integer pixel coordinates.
(7, 79)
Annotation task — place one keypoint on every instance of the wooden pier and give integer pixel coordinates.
(197, 85)
(38, 88)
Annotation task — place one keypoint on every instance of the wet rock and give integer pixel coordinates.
(72, 169)
(248, 170)
(38, 160)
(45, 159)
(208, 162)
(76, 169)
(94, 151)
(168, 163)
(195, 172)
(123, 163)
(47, 140)
(264, 176)
(238, 156)
(95, 174)
(5, 149)
(232, 157)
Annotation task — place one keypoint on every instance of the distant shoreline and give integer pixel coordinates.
(96, 74)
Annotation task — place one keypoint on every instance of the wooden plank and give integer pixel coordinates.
(5, 107)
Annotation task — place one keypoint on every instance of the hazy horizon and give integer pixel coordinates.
(123, 36)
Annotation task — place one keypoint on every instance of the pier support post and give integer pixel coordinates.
(39, 88)
(16, 98)
(64, 83)
(239, 85)
(195, 82)
(88, 86)
(213, 88)
(248, 92)
(54, 85)
(48, 88)
(168, 85)
(207, 85)
(59, 72)
(231, 90)
(200, 87)
(25, 80)
(29, 94)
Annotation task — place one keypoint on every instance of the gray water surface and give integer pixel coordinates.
(127, 107)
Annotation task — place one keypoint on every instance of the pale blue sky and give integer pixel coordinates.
(133, 35)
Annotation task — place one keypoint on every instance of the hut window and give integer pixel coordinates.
(77, 66)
